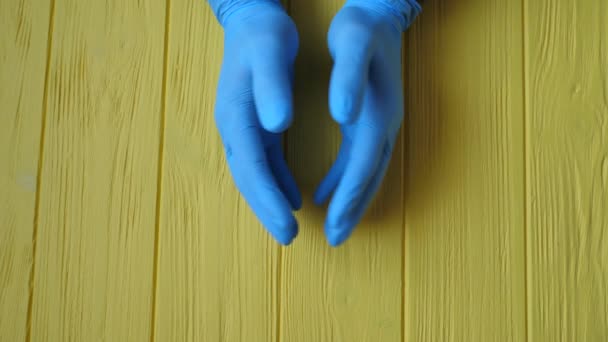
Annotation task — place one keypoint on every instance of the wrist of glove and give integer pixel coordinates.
(400, 13)
(224, 10)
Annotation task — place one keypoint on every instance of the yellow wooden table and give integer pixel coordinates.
(119, 220)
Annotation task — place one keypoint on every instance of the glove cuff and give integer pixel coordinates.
(223, 9)
(402, 11)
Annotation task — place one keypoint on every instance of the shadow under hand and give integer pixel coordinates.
(453, 75)
(313, 140)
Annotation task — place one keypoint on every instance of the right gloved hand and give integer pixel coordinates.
(366, 99)
(254, 105)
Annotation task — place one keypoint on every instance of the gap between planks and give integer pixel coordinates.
(525, 107)
(49, 45)
(159, 173)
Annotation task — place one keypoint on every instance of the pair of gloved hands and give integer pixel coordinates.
(254, 105)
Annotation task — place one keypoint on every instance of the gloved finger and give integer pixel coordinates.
(363, 161)
(254, 178)
(272, 91)
(357, 213)
(284, 176)
(329, 183)
(259, 188)
(352, 52)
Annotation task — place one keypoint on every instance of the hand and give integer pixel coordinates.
(254, 105)
(366, 99)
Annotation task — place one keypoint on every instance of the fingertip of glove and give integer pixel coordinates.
(276, 119)
(318, 201)
(285, 230)
(284, 240)
(343, 109)
(337, 236)
(320, 196)
(338, 227)
(297, 204)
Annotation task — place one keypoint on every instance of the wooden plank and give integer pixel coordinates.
(217, 265)
(94, 260)
(23, 50)
(352, 293)
(464, 210)
(567, 158)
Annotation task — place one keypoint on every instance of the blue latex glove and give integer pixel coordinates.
(366, 99)
(254, 105)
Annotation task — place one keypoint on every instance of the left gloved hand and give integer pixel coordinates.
(254, 106)
(366, 99)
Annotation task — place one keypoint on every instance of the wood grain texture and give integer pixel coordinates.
(95, 249)
(354, 292)
(567, 158)
(217, 265)
(24, 28)
(500, 180)
(464, 210)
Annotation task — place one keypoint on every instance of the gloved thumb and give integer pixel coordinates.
(351, 48)
(272, 86)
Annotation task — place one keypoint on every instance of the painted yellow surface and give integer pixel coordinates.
(217, 269)
(464, 206)
(23, 53)
(119, 220)
(95, 233)
(567, 170)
